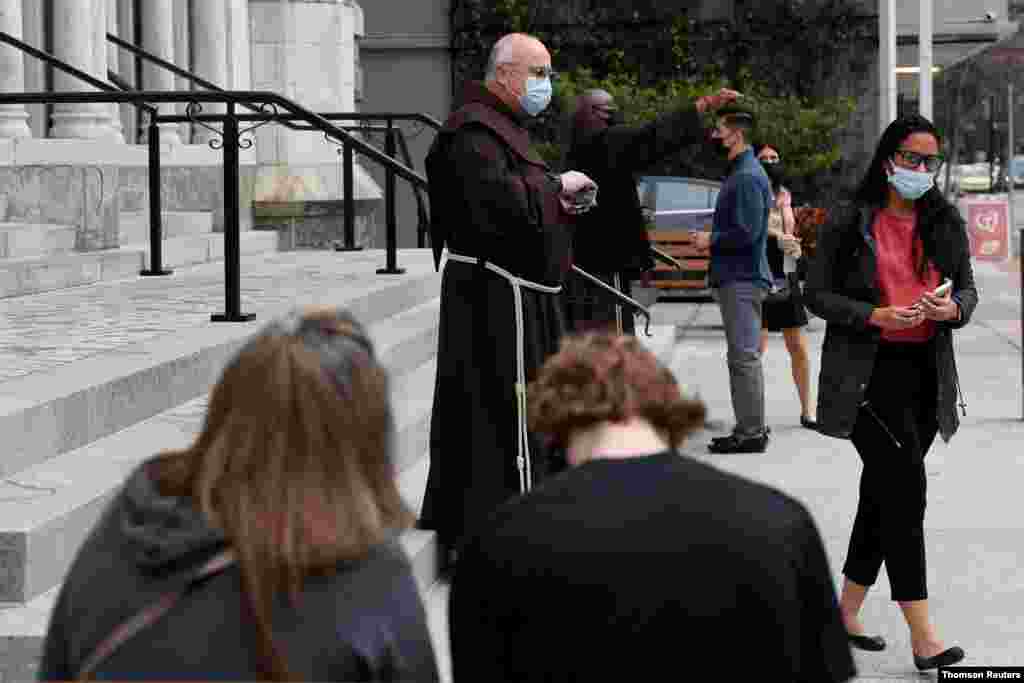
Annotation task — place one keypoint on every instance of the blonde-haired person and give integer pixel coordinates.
(637, 554)
(292, 475)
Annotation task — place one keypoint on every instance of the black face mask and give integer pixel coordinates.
(775, 173)
(616, 118)
(717, 148)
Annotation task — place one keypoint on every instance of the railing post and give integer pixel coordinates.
(350, 200)
(232, 247)
(389, 202)
(156, 242)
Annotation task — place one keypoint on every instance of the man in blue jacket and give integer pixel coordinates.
(740, 276)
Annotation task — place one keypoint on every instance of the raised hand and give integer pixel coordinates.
(716, 101)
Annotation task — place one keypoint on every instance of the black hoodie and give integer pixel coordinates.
(364, 623)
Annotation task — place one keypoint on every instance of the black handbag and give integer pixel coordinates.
(785, 292)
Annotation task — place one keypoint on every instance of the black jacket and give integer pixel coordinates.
(842, 289)
(364, 623)
(612, 237)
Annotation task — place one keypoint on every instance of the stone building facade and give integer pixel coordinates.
(84, 163)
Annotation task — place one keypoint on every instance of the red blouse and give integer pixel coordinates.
(898, 281)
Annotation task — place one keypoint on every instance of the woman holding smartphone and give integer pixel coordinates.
(888, 374)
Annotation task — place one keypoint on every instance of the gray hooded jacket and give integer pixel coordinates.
(366, 622)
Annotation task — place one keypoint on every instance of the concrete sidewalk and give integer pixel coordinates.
(974, 527)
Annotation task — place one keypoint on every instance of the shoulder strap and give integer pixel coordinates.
(152, 613)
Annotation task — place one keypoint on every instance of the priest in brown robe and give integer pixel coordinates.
(506, 221)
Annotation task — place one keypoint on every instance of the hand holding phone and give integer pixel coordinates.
(938, 304)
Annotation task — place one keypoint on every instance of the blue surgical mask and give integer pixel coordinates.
(537, 96)
(911, 184)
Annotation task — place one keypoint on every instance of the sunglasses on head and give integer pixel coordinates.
(932, 162)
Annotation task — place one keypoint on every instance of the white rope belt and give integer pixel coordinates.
(518, 283)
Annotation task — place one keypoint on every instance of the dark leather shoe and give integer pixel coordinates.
(808, 423)
(739, 444)
(869, 643)
(946, 658)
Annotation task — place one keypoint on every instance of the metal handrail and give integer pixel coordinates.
(421, 231)
(67, 68)
(231, 141)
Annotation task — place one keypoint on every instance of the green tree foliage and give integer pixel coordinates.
(785, 55)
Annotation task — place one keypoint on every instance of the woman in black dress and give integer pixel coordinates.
(788, 316)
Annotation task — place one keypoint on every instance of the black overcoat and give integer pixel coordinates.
(492, 197)
(842, 289)
(612, 238)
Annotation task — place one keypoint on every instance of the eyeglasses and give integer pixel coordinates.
(932, 162)
(538, 71)
(771, 161)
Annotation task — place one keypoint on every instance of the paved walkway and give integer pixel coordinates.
(975, 529)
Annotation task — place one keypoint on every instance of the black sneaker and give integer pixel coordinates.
(739, 444)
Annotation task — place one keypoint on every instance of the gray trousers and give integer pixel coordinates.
(740, 303)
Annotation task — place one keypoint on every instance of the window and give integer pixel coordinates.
(676, 196)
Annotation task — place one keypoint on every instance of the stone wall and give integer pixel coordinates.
(83, 196)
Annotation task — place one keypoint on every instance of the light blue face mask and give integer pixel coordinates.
(911, 184)
(537, 96)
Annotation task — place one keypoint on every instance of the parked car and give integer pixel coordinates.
(975, 178)
(675, 206)
(1017, 171)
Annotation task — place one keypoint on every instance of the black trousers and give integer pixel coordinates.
(895, 428)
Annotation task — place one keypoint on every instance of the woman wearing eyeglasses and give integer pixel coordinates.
(787, 316)
(888, 374)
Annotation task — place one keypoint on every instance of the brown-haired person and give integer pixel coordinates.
(292, 475)
(637, 556)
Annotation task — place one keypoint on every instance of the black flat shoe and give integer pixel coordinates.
(808, 423)
(869, 643)
(946, 658)
(739, 444)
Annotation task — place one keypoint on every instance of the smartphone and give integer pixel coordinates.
(943, 289)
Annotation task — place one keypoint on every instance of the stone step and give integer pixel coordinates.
(46, 511)
(134, 225)
(22, 240)
(48, 413)
(37, 274)
(190, 250)
(413, 402)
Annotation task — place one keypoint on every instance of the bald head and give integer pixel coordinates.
(513, 48)
(596, 98)
(514, 59)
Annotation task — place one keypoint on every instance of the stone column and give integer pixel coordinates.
(183, 58)
(13, 117)
(100, 26)
(158, 38)
(209, 45)
(110, 63)
(126, 64)
(34, 27)
(73, 38)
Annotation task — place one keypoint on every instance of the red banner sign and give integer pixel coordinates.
(988, 226)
